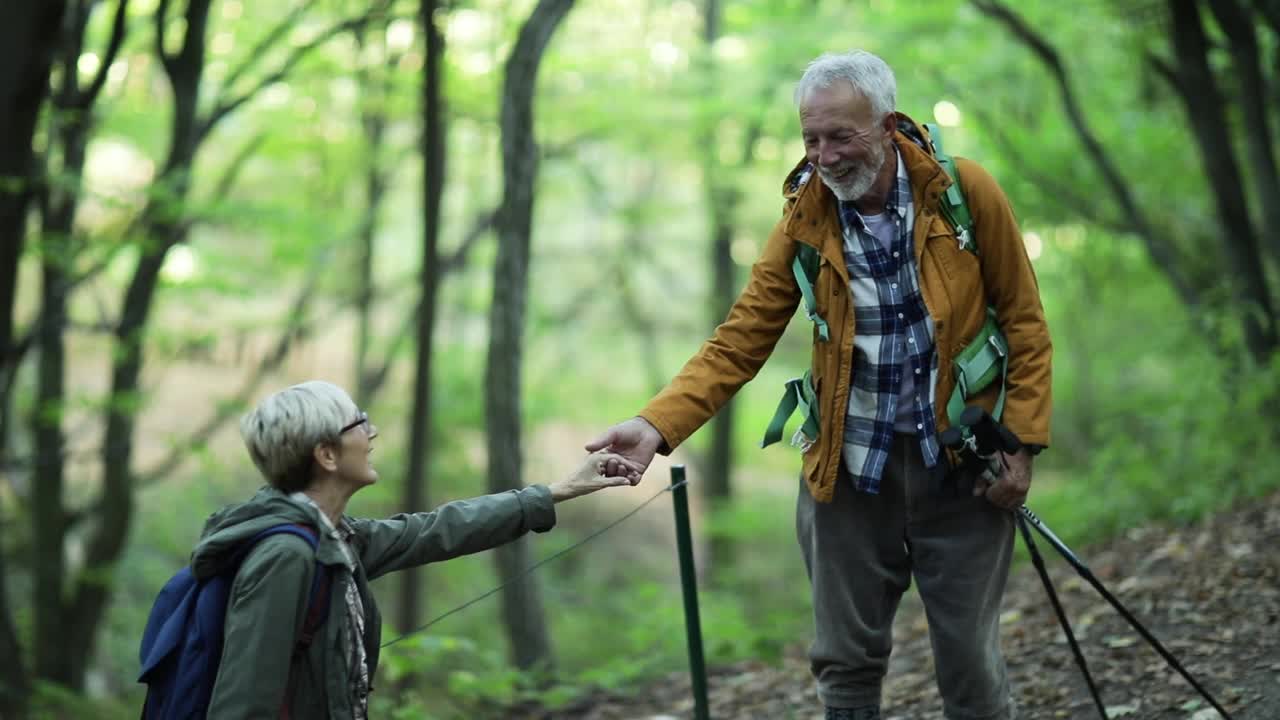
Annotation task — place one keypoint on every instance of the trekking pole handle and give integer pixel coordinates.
(987, 435)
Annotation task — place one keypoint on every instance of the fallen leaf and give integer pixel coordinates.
(1116, 642)
(1115, 711)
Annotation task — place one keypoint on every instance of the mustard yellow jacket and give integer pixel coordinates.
(956, 284)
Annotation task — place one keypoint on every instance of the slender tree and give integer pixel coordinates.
(375, 83)
(29, 35)
(521, 601)
(28, 38)
(722, 198)
(433, 169)
(71, 122)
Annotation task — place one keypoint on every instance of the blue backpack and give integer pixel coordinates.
(182, 644)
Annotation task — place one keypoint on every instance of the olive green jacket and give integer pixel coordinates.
(269, 597)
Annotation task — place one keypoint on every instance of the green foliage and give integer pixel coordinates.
(1153, 407)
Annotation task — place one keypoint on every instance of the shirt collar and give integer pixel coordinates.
(305, 499)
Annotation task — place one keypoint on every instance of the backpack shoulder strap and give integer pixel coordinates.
(805, 268)
(953, 206)
(318, 599)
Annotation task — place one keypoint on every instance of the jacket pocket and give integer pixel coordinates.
(961, 270)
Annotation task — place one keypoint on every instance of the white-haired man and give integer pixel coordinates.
(877, 505)
(312, 445)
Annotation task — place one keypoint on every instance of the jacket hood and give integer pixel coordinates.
(908, 129)
(227, 530)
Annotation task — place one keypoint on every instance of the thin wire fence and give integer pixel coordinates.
(530, 570)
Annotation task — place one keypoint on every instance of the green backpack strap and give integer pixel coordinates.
(805, 268)
(953, 207)
(986, 357)
(979, 364)
(799, 393)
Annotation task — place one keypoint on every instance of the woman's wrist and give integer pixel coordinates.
(559, 491)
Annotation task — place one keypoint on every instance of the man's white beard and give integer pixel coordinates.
(858, 181)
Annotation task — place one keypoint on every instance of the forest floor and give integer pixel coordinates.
(1209, 591)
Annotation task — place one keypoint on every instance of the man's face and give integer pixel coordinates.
(843, 139)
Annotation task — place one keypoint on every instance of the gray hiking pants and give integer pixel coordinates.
(861, 552)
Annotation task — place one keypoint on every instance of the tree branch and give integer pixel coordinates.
(458, 258)
(232, 172)
(1159, 251)
(296, 328)
(85, 100)
(162, 19)
(228, 105)
(375, 378)
(264, 45)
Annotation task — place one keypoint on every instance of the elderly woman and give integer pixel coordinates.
(312, 444)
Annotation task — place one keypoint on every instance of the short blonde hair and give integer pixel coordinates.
(281, 433)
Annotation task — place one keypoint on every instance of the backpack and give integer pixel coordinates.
(975, 367)
(182, 643)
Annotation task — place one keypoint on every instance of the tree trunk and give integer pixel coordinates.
(722, 203)
(70, 125)
(1238, 25)
(15, 684)
(28, 39)
(374, 122)
(433, 169)
(163, 227)
(521, 602)
(1195, 84)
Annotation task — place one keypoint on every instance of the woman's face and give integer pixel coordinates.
(355, 442)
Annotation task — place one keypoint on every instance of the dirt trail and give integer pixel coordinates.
(1210, 592)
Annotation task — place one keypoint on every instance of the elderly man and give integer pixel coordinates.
(312, 445)
(900, 295)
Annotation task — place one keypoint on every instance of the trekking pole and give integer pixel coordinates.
(1084, 572)
(689, 583)
(989, 437)
(1038, 561)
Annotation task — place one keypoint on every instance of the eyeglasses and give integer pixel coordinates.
(363, 420)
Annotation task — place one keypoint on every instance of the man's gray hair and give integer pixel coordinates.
(868, 74)
(282, 432)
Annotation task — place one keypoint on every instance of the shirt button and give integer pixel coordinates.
(895, 253)
(911, 340)
(900, 316)
(917, 371)
(919, 426)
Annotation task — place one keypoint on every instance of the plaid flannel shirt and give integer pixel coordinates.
(893, 336)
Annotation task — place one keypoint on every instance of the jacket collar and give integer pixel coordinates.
(813, 208)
